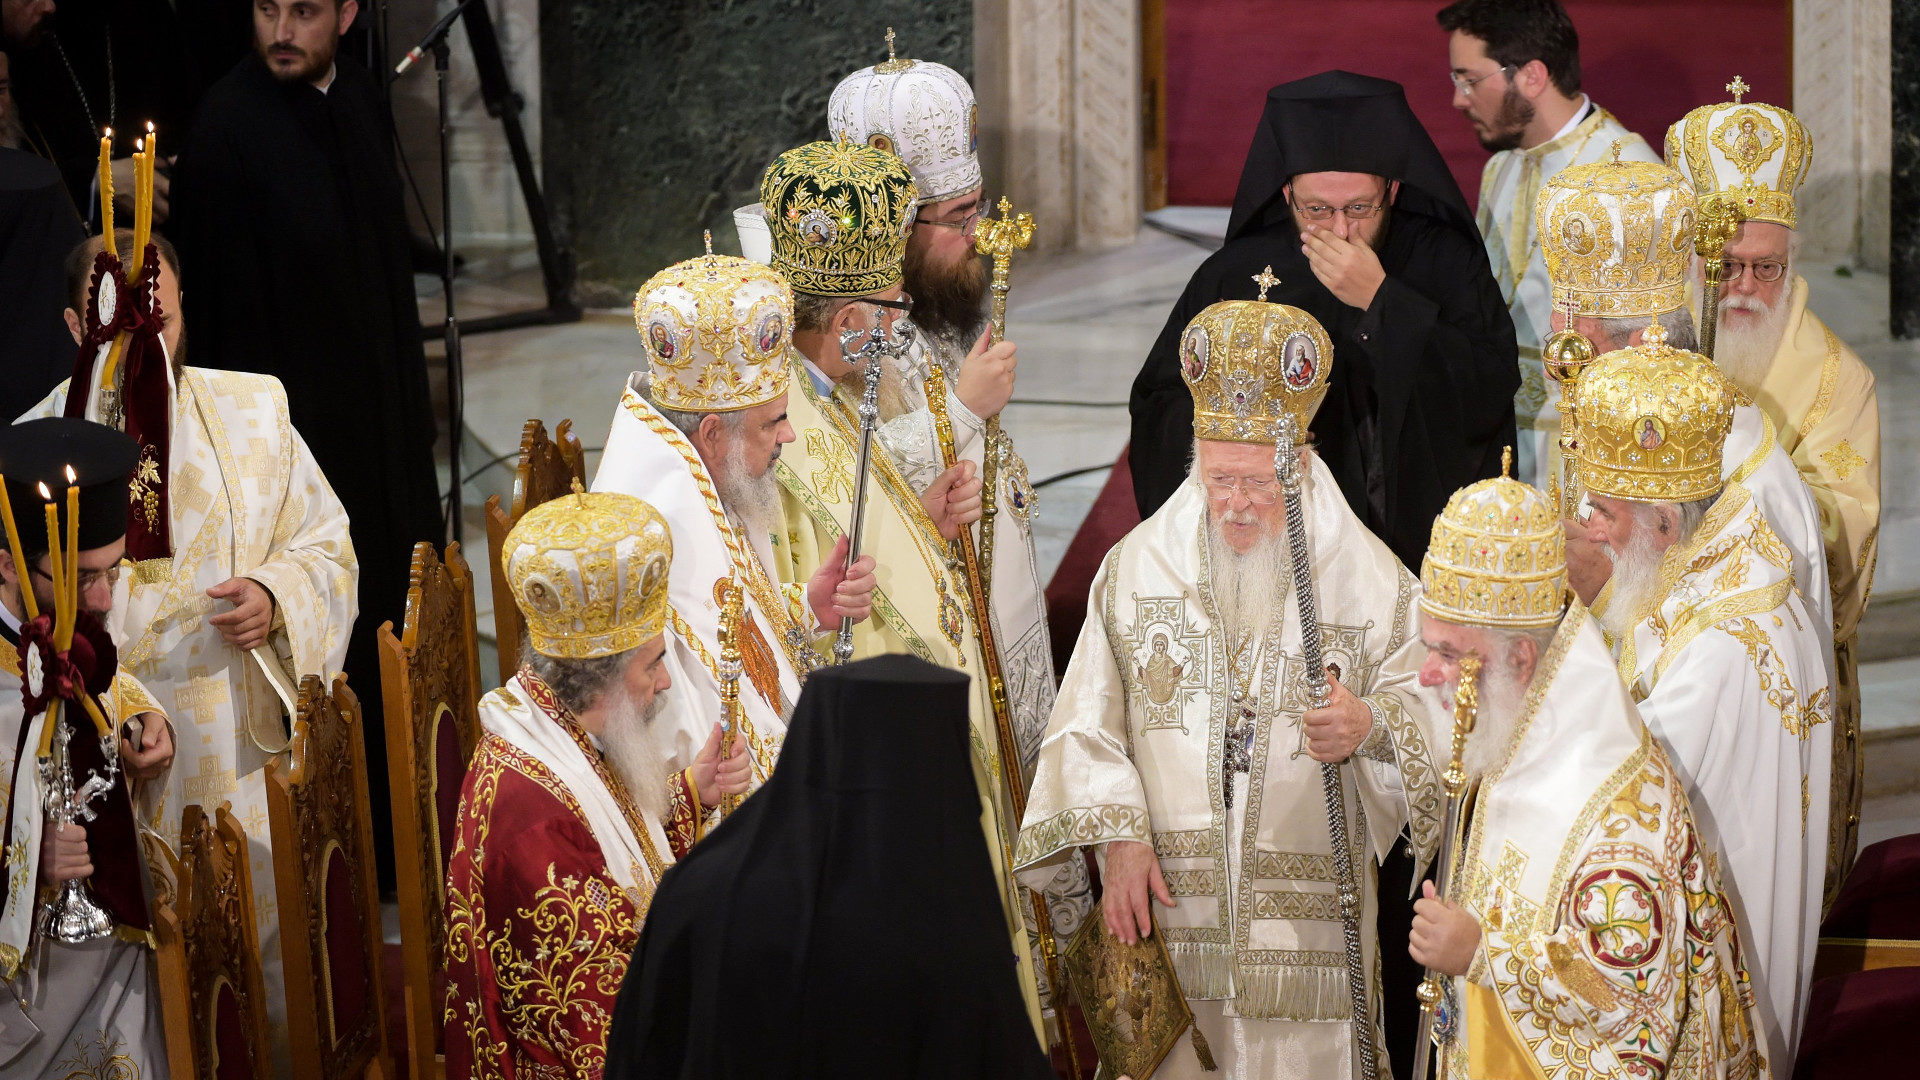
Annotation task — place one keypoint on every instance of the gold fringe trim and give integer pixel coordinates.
(1273, 992)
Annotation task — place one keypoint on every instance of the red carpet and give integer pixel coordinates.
(1112, 516)
(1646, 61)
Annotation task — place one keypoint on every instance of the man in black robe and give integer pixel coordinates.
(845, 921)
(295, 243)
(37, 228)
(1346, 198)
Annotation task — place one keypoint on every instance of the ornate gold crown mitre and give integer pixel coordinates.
(840, 214)
(1751, 154)
(716, 330)
(1653, 423)
(1498, 557)
(589, 573)
(918, 109)
(1617, 237)
(1251, 362)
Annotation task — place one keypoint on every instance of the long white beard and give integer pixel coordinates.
(1636, 583)
(1248, 588)
(636, 751)
(1744, 353)
(752, 500)
(1494, 722)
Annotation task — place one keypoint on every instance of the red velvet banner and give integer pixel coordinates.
(1646, 61)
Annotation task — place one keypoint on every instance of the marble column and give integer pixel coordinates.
(1904, 241)
(1840, 59)
(659, 116)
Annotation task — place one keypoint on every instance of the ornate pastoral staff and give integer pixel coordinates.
(997, 238)
(868, 356)
(1466, 706)
(733, 616)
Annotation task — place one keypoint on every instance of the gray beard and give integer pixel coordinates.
(1745, 353)
(636, 752)
(1249, 588)
(1636, 583)
(752, 501)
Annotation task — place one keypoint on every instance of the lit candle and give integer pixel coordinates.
(106, 188)
(73, 550)
(142, 209)
(13, 548)
(53, 561)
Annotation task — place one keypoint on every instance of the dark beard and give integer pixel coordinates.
(1510, 126)
(947, 300)
(316, 66)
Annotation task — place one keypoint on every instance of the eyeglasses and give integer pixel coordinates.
(1359, 211)
(1766, 270)
(964, 224)
(1257, 492)
(89, 578)
(1465, 85)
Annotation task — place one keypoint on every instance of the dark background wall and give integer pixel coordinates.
(659, 116)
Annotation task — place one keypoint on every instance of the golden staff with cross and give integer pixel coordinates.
(997, 238)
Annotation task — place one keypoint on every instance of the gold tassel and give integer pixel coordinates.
(1202, 1051)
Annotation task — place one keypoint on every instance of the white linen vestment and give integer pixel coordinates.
(649, 458)
(1607, 946)
(1509, 186)
(1731, 679)
(1134, 752)
(247, 500)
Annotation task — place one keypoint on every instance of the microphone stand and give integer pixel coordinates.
(436, 41)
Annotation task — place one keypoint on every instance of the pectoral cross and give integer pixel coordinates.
(1738, 88)
(1236, 750)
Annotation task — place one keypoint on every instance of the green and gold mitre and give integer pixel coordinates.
(840, 214)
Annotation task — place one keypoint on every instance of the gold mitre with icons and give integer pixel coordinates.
(1497, 558)
(1617, 237)
(1748, 153)
(589, 574)
(1252, 364)
(1653, 423)
(840, 213)
(716, 330)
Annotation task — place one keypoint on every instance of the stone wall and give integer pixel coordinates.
(659, 116)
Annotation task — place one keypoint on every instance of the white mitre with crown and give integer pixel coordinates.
(917, 109)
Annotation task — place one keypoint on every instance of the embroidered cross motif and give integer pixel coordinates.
(1843, 460)
(202, 695)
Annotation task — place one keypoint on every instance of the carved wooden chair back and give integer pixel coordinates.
(430, 675)
(547, 470)
(330, 941)
(207, 951)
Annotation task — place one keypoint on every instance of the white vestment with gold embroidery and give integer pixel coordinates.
(1018, 596)
(1732, 679)
(1607, 948)
(1134, 752)
(1509, 186)
(246, 499)
(647, 457)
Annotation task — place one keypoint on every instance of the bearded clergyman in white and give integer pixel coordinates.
(1209, 815)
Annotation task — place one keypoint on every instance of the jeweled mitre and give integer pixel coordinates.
(716, 330)
(840, 214)
(1617, 237)
(1752, 154)
(589, 574)
(1498, 558)
(1250, 363)
(917, 109)
(1653, 423)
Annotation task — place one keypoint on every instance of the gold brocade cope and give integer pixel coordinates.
(589, 574)
(1617, 237)
(1752, 155)
(1495, 1051)
(1653, 423)
(716, 330)
(1249, 363)
(1497, 557)
(1131, 999)
(840, 214)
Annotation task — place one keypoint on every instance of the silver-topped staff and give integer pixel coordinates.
(1286, 467)
(867, 356)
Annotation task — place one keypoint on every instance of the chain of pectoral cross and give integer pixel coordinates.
(1236, 750)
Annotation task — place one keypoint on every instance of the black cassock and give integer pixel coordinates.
(1420, 398)
(845, 920)
(297, 265)
(38, 229)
